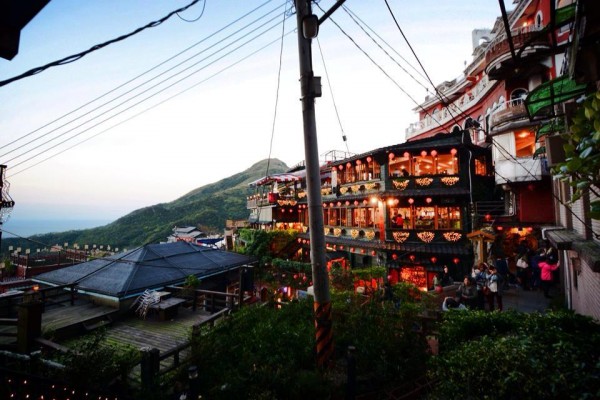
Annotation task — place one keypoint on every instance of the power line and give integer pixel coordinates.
(344, 138)
(78, 56)
(137, 95)
(197, 18)
(142, 74)
(382, 70)
(137, 87)
(152, 107)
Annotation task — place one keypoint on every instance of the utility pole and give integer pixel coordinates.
(308, 26)
(6, 203)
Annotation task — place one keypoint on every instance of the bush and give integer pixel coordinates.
(515, 355)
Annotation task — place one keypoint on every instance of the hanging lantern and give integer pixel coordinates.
(423, 153)
(355, 202)
(299, 240)
(433, 153)
(369, 159)
(373, 252)
(362, 251)
(394, 256)
(412, 257)
(391, 156)
(331, 204)
(453, 152)
(428, 200)
(411, 200)
(499, 228)
(339, 203)
(341, 167)
(488, 217)
(347, 203)
(341, 247)
(348, 165)
(406, 154)
(433, 260)
(390, 201)
(352, 249)
(456, 260)
(358, 162)
(365, 202)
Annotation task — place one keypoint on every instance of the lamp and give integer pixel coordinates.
(310, 26)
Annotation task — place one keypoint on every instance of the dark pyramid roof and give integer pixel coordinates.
(151, 266)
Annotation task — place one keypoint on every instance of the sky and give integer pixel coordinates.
(144, 130)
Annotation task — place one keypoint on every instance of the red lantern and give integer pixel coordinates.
(433, 260)
(433, 153)
(488, 217)
(340, 167)
(348, 165)
(453, 152)
(341, 247)
(499, 228)
(358, 162)
(456, 260)
(373, 253)
(352, 249)
(411, 200)
(394, 256)
(428, 200)
(423, 153)
(339, 203)
(369, 159)
(412, 257)
(331, 204)
(362, 251)
(355, 202)
(406, 154)
(299, 240)
(391, 156)
(347, 203)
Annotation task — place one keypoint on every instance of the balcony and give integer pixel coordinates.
(353, 232)
(524, 169)
(529, 41)
(510, 115)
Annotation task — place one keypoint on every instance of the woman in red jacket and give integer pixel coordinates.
(547, 266)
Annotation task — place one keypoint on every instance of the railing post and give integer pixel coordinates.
(195, 301)
(29, 326)
(150, 365)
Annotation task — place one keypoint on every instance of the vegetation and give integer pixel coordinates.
(275, 357)
(581, 168)
(515, 355)
(209, 206)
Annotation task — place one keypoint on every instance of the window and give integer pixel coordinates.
(405, 217)
(480, 166)
(424, 164)
(424, 217)
(524, 143)
(400, 166)
(449, 218)
(447, 164)
(518, 96)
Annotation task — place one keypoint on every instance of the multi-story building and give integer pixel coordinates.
(407, 206)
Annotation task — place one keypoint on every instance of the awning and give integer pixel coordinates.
(553, 92)
(275, 178)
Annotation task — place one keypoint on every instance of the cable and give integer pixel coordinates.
(344, 138)
(143, 73)
(139, 102)
(386, 53)
(137, 87)
(195, 19)
(150, 108)
(78, 56)
(439, 95)
(382, 70)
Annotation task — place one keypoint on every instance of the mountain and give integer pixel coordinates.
(208, 207)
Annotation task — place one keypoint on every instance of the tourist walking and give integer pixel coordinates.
(494, 284)
(546, 269)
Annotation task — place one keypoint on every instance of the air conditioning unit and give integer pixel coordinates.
(555, 152)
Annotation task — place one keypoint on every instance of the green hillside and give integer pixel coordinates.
(208, 207)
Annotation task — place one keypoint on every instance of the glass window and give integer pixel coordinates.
(400, 166)
(400, 218)
(480, 166)
(447, 164)
(449, 218)
(424, 165)
(424, 217)
(524, 143)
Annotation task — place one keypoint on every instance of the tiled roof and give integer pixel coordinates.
(151, 266)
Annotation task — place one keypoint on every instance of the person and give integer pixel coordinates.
(546, 269)
(451, 304)
(399, 221)
(495, 285)
(478, 274)
(467, 292)
(523, 264)
(405, 172)
(540, 255)
(446, 278)
(437, 283)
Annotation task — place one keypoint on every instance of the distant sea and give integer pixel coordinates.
(25, 227)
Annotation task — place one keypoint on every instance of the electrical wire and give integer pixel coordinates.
(383, 70)
(344, 138)
(384, 50)
(438, 93)
(197, 18)
(141, 101)
(78, 56)
(152, 107)
(137, 87)
(142, 74)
